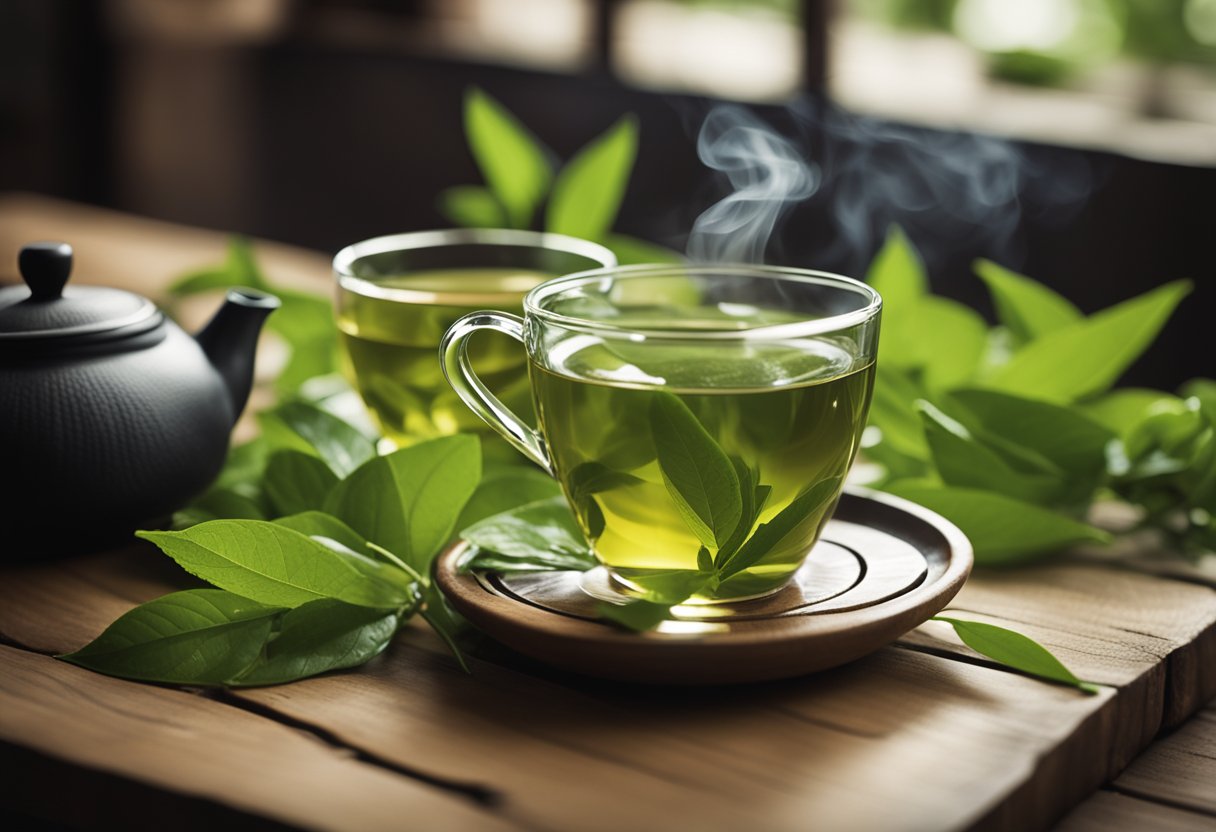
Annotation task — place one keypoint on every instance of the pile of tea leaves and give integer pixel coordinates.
(319, 550)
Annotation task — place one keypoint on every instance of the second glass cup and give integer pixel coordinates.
(396, 295)
(701, 419)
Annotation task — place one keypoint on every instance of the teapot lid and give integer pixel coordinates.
(44, 311)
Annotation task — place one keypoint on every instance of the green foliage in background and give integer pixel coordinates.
(1013, 432)
(305, 321)
(581, 198)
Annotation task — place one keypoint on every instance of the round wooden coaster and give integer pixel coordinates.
(882, 566)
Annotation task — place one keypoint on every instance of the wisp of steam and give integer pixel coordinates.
(867, 174)
(767, 174)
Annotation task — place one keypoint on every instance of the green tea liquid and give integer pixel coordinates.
(391, 346)
(790, 414)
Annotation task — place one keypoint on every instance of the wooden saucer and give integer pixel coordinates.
(882, 566)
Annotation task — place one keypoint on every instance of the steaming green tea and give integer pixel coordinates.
(391, 340)
(706, 468)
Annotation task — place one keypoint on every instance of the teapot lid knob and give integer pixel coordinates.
(45, 267)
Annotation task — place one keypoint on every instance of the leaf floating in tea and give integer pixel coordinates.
(699, 476)
(638, 616)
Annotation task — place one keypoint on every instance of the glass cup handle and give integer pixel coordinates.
(454, 355)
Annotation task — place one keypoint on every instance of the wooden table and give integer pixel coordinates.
(922, 735)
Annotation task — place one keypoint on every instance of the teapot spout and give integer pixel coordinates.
(230, 340)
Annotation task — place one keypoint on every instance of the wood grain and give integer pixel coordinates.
(1114, 812)
(203, 750)
(1179, 769)
(846, 749)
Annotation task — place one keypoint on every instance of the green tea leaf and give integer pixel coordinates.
(472, 206)
(543, 535)
(1203, 389)
(317, 637)
(1088, 356)
(699, 476)
(408, 501)
(510, 159)
(638, 616)
(950, 341)
(305, 322)
(1014, 650)
(898, 274)
(1000, 528)
(505, 487)
(296, 482)
(588, 479)
(1121, 410)
(273, 564)
(961, 460)
(195, 637)
(324, 527)
(632, 250)
(1027, 308)
(240, 268)
(808, 508)
(308, 428)
(444, 621)
(588, 191)
(893, 412)
(218, 504)
(1037, 437)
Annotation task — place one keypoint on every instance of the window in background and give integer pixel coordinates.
(751, 51)
(1135, 76)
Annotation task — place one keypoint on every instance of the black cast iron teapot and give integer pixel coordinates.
(110, 415)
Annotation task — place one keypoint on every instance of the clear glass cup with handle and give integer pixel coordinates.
(700, 419)
(396, 295)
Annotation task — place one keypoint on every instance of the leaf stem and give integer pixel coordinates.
(398, 562)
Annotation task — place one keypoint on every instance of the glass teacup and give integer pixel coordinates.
(396, 296)
(701, 419)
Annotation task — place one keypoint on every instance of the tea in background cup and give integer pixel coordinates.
(397, 295)
(701, 420)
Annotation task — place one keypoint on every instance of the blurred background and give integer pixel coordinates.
(1073, 140)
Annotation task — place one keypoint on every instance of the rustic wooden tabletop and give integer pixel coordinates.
(922, 735)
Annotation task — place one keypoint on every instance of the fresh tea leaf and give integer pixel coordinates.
(950, 340)
(444, 621)
(898, 274)
(1087, 357)
(505, 487)
(1001, 529)
(324, 528)
(1027, 308)
(542, 535)
(308, 428)
(808, 507)
(1014, 650)
(195, 637)
(588, 191)
(1203, 389)
(893, 412)
(638, 616)
(699, 476)
(317, 637)
(472, 206)
(962, 460)
(218, 504)
(240, 268)
(510, 159)
(296, 482)
(273, 564)
(1121, 410)
(305, 322)
(408, 501)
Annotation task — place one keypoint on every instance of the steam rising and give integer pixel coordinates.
(951, 191)
(767, 174)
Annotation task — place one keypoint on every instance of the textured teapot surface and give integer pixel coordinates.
(113, 417)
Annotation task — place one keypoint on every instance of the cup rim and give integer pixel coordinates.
(344, 260)
(760, 332)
